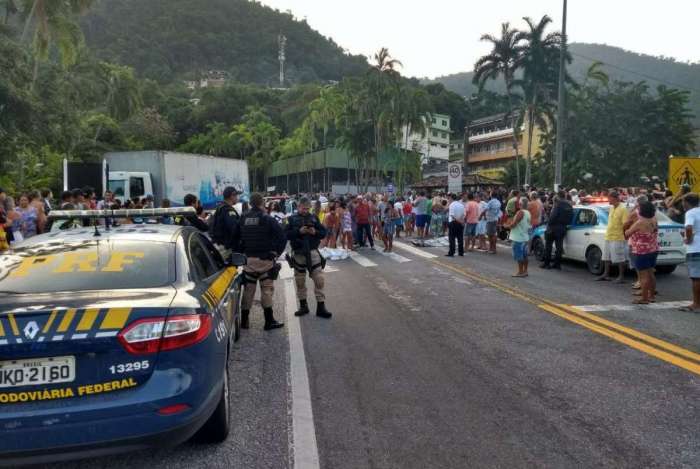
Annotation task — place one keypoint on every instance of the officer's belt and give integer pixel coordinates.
(302, 268)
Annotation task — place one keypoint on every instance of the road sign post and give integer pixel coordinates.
(454, 178)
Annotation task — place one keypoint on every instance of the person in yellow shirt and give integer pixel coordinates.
(614, 251)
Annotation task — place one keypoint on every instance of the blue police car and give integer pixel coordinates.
(114, 340)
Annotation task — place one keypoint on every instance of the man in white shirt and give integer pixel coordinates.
(456, 225)
(692, 241)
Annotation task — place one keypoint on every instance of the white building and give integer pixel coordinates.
(435, 144)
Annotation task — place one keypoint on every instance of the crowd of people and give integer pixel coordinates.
(472, 221)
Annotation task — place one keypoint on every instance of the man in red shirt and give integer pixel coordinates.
(362, 216)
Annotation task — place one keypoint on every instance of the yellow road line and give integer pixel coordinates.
(2, 330)
(634, 333)
(642, 347)
(655, 347)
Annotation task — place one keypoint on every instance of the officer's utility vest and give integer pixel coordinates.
(255, 235)
(218, 229)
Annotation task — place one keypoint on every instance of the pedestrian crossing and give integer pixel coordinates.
(362, 260)
(414, 250)
(633, 307)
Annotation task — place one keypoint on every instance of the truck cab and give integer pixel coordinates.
(127, 185)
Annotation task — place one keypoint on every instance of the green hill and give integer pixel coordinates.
(619, 65)
(169, 39)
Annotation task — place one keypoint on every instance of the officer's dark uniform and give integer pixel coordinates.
(262, 240)
(306, 258)
(559, 218)
(224, 225)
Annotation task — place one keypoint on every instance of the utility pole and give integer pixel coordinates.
(282, 40)
(562, 106)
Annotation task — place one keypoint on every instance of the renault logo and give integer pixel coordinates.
(31, 330)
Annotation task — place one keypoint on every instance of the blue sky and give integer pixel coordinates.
(438, 37)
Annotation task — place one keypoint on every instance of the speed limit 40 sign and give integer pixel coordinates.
(454, 178)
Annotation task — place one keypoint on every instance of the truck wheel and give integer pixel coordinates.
(665, 269)
(594, 260)
(217, 428)
(538, 248)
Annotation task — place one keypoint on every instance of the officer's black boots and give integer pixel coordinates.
(245, 323)
(322, 312)
(270, 322)
(303, 308)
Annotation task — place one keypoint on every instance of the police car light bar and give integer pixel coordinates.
(121, 213)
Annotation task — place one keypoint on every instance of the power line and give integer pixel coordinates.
(643, 75)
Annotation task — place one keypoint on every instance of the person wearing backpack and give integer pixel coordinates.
(224, 222)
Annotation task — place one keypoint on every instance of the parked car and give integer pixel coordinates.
(585, 239)
(114, 340)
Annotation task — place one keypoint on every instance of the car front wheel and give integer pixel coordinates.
(594, 260)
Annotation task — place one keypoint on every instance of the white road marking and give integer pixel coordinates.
(395, 257)
(414, 250)
(3, 342)
(303, 445)
(330, 269)
(106, 334)
(56, 338)
(79, 336)
(632, 307)
(362, 260)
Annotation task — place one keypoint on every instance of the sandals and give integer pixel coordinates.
(641, 302)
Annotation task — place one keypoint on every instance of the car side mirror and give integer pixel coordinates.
(238, 260)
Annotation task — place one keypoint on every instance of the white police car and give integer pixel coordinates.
(585, 239)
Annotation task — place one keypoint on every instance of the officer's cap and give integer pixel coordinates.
(230, 191)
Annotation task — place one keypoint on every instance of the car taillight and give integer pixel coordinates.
(150, 335)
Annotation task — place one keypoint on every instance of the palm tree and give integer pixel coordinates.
(54, 22)
(10, 9)
(383, 84)
(324, 112)
(414, 117)
(504, 59)
(540, 63)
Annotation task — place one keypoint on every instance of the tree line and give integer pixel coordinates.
(616, 132)
(59, 100)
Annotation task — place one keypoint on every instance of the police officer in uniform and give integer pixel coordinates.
(305, 232)
(224, 222)
(262, 240)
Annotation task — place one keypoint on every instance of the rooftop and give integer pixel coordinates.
(491, 119)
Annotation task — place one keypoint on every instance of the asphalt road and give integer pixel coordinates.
(450, 363)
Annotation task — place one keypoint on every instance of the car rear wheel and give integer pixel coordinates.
(665, 269)
(538, 249)
(594, 260)
(217, 428)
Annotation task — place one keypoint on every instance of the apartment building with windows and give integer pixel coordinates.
(491, 144)
(435, 144)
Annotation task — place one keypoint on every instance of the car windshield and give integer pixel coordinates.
(83, 266)
(117, 187)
